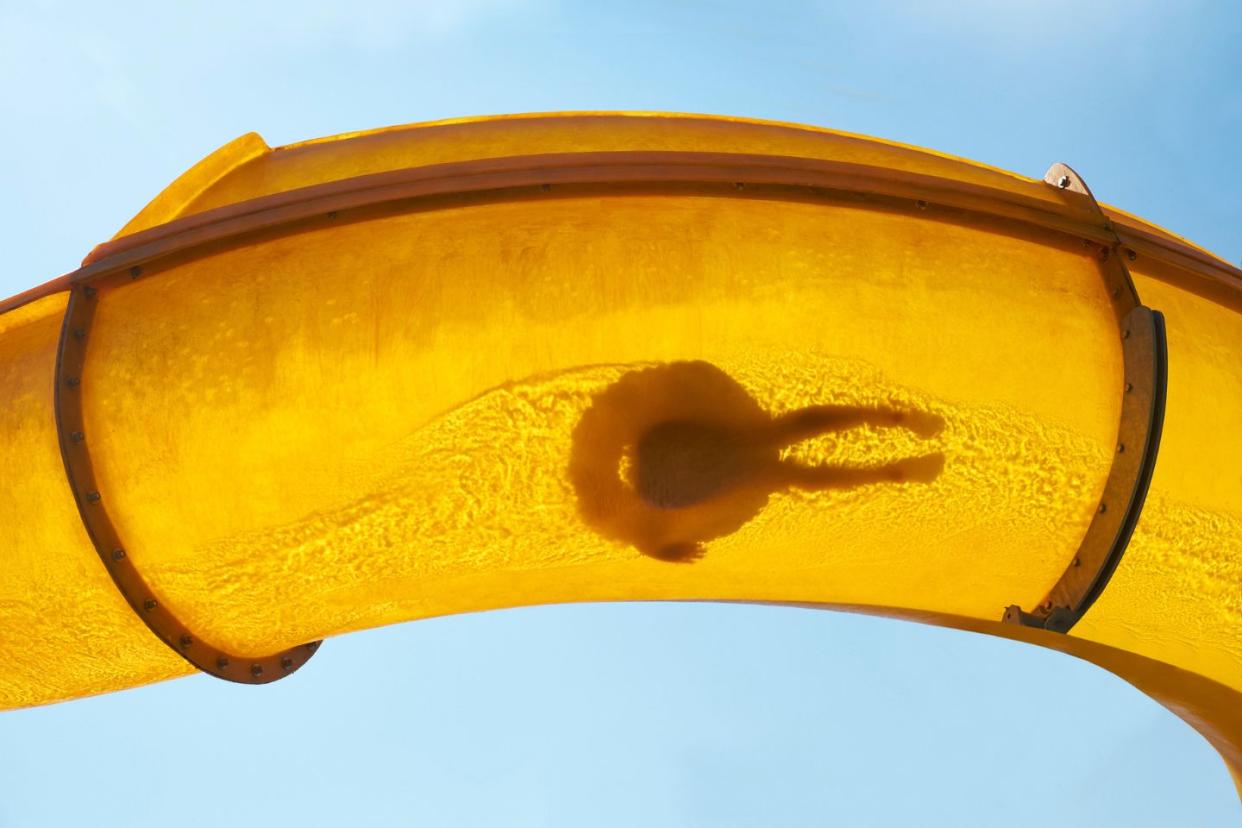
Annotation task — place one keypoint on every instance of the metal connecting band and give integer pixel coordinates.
(74, 441)
(1145, 365)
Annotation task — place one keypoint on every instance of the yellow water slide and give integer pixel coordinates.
(599, 357)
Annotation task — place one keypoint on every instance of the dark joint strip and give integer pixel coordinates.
(92, 505)
(1145, 364)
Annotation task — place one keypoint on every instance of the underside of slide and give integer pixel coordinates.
(601, 357)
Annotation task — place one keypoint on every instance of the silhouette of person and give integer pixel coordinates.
(703, 457)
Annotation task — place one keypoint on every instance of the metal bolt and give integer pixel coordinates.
(79, 333)
(1125, 334)
(1103, 508)
(117, 554)
(738, 185)
(92, 497)
(256, 670)
(1130, 254)
(149, 604)
(77, 436)
(135, 272)
(1129, 387)
(1121, 447)
(286, 663)
(1077, 561)
(314, 645)
(186, 641)
(89, 292)
(331, 214)
(72, 382)
(1063, 181)
(222, 663)
(921, 204)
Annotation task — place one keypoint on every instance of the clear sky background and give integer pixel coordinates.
(657, 714)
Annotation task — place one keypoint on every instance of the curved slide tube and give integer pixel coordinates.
(595, 357)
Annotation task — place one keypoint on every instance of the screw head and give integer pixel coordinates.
(1121, 447)
(135, 272)
(222, 663)
(256, 670)
(149, 604)
(88, 292)
(186, 641)
(286, 663)
(1063, 181)
(72, 382)
(92, 497)
(1103, 508)
(77, 436)
(118, 554)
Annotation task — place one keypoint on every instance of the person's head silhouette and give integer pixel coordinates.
(669, 457)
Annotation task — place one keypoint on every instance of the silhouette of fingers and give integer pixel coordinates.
(923, 469)
(818, 478)
(922, 423)
(819, 419)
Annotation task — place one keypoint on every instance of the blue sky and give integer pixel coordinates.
(657, 714)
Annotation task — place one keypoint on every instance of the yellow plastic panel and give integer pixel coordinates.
(64, 629)
(382, 420)
(176, 198)
(1177, 595)
(396, 148)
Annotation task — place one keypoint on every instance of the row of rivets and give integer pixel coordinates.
(182, 642)
(78, 437)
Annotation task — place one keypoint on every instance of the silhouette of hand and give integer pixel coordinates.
(922, 423)
(917, 469)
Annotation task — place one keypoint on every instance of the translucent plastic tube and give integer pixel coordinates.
(594, 357)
